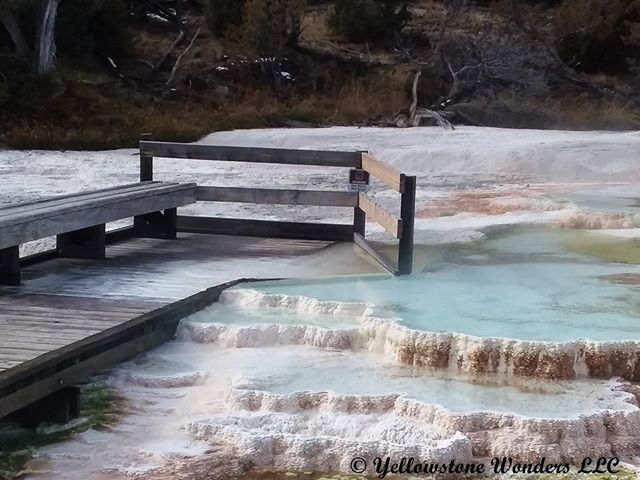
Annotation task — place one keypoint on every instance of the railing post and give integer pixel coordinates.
(359, 217)
(146, 162)
(359, 221)
(407, 214)
(155, 224)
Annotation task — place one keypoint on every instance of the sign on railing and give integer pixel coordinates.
(358, 180)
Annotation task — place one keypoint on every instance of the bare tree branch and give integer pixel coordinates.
(8, 19)
(492, 60)
(179, 59)
(173, 46)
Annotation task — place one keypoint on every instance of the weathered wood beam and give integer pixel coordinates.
(146, 161)
(322, 158)
(277, 197)
(383, 172)
(266, 228)
(157, 224)
(113, 236)
(37, 206)
(381, 216)
(377, 256)
(359, 221)
(79, 213)
(58, 407)
(17, 213)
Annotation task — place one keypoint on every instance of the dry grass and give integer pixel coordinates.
(314, 26)
(383, 94)
(83, 117)
(119, 134)
(607, 115)
(580, 112)
(88, 110)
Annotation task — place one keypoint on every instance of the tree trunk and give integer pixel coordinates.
(413, 108)
(45, 45)
(179, 14)
(9, 21)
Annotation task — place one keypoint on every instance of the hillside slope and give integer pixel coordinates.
(479, 66)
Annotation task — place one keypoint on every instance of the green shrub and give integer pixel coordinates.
(368, 20)
(223, 15)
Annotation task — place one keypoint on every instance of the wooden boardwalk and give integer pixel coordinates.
(100, 298)
(34, 324)
(66, 306)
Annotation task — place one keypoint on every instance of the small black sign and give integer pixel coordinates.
(358, 180)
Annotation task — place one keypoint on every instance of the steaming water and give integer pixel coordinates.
(314, 372)
(289, 369)
(525, 284)
(305, 375)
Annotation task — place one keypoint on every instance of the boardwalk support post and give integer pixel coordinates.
(155, 224)
(57, 407)
(10, 266)
(407, 214)
(146, 161)
(86, 243)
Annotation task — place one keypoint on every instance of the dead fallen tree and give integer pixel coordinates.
(416, 113)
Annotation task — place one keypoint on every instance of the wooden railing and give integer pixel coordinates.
(400, 228)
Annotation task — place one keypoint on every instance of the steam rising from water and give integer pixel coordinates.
(282, 422)
(458, 353)
(323, 431)
(600, 220)
(254, 299)
(308, 383)
(291, 382)
(282, 396)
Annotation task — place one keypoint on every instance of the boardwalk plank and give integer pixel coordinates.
(73, 318)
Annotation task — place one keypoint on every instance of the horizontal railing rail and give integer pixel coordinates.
(383, 172)
(269, 196)
(382, 216)
(399, 227)
(320, 158)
